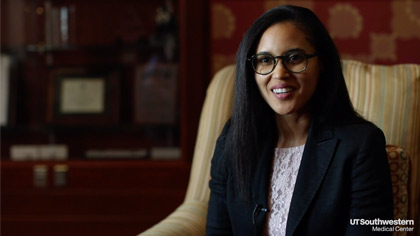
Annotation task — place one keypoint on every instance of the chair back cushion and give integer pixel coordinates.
(400, 167)
(389, 96)
(215, 113)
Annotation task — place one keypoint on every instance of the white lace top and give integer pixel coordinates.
(285, 170)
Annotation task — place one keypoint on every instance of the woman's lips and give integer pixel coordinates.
(283, 92)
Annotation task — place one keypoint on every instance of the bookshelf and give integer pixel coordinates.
(54, 43)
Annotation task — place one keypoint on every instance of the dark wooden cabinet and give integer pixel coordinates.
(101, 197)
(98, 197)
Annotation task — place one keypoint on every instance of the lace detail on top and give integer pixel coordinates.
(286, 165)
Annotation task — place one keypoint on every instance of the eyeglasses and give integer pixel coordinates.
(294, 62)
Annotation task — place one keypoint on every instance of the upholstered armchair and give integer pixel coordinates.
(389, 96)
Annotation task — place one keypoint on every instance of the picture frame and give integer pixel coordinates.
(8, 89)
(83, 96)
(156, 94)
(5, 64)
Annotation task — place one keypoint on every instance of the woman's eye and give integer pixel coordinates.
(265, 60)
(295, 58)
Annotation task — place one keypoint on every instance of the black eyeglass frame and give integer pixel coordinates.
(307, 57)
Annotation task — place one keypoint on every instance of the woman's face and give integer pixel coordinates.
(285, 92)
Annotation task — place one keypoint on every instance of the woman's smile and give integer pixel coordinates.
(283, 91)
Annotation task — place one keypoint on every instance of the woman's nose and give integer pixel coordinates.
(280, 71)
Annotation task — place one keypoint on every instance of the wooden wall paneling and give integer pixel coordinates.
(32, 92)
(195, 68)
(100, 197)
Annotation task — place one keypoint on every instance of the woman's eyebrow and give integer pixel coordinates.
(264, 52)
(286, 52)
(294, 50)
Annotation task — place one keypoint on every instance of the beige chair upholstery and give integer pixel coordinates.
(387, 95)
(190, 218)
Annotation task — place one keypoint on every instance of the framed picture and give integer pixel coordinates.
(83, 96)
(156, 93)
(5, 62)
(8, 89)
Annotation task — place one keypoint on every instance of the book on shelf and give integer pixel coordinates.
(117, 154)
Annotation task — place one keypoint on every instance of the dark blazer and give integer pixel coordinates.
(344, 175)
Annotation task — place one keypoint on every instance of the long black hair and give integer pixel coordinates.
(253, 121)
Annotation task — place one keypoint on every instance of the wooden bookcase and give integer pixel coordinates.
(101, 197)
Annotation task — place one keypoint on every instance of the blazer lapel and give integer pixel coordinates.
(260, 184)
(315, 162)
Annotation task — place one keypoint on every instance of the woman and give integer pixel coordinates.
(295, 158)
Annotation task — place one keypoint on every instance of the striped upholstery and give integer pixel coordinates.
(389, 96)
(386, 95)
(190, 218)
(216, 111)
